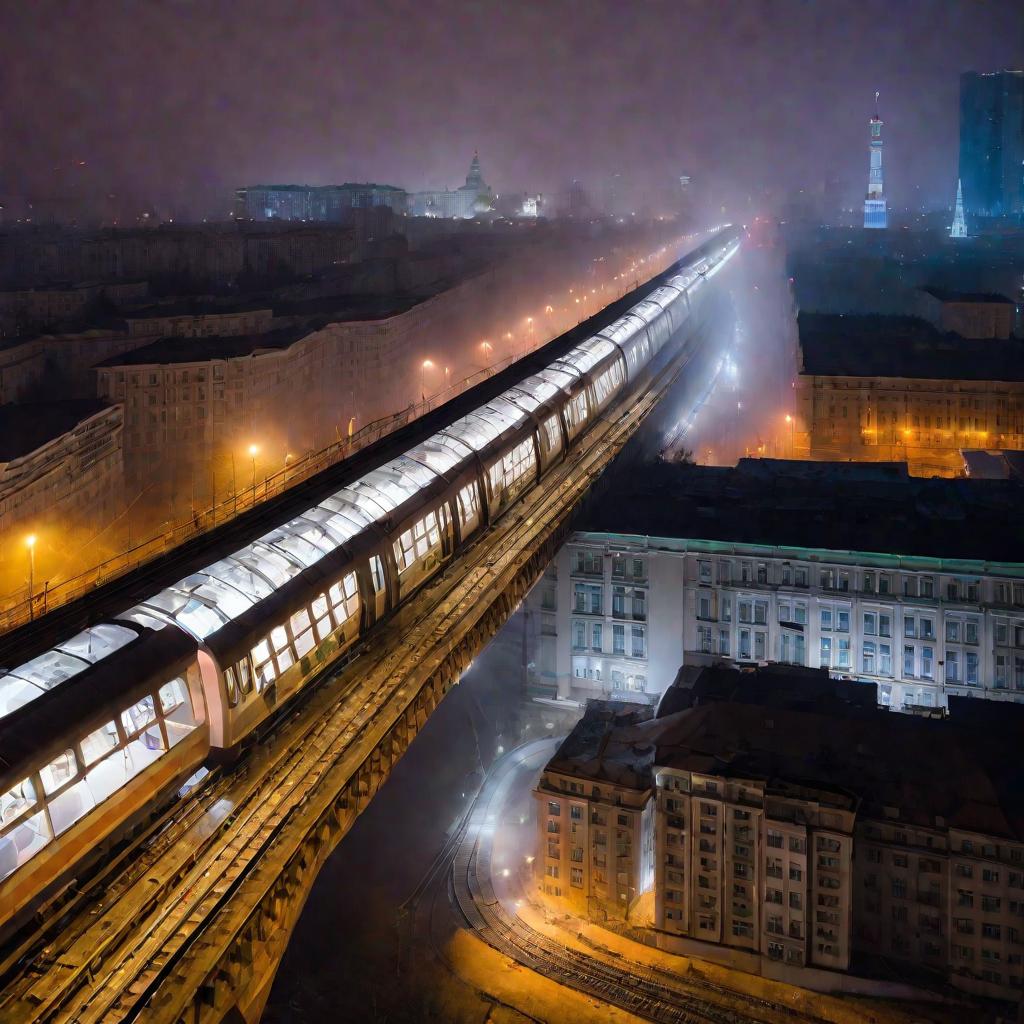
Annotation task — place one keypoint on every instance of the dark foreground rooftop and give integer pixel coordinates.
(839, 506)
(800, 734)
(840, 345)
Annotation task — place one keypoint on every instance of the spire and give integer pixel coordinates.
(959, 228)
(875, 213)
(475, 178)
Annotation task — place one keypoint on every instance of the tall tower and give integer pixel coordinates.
(959, 228)
(875, 215)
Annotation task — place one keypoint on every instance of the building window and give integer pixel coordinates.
(952, 667)
(618, 639)
(868, 658)
(579, 635)
(638, 648)
(724, 647)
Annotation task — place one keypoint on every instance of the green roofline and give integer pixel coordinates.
(916, 563)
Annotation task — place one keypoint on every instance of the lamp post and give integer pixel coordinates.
(447, 377)
(30, 543)
(487, 349)
(792, 426)
(253, 452)
(424, 366)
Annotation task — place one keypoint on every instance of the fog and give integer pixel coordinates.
(176, 104)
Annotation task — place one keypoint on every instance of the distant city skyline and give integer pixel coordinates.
(736, 95)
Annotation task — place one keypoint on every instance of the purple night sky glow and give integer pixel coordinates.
(181, 101)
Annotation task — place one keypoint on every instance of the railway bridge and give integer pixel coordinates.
(187, 917)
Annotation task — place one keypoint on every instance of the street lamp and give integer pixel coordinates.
(424, 366)
(447, 377)
(792, 427)
(30, 543)
(253, 452)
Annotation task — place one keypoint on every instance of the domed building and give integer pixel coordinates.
(466, 201)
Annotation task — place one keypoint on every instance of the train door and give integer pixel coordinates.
(379, 589)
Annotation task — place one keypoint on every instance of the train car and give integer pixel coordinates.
(94, 730)
(85, 761)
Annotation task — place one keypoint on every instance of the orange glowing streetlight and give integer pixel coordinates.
(427, 364)
(254, 450)
(30, 543)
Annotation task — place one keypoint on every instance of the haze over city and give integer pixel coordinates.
(509, 512)
(174, 104)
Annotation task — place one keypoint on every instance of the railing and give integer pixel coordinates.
(18, 610)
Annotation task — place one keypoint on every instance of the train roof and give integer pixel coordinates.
(246, 560)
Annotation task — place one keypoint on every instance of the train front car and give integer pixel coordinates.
(87, 755)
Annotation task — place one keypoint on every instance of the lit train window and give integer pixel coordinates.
(58, 771)
(554, 435)
(279, 638)
(176, 707)
(265, 675)
(511, 468)
(469, 504)
(244, 675)
(414, 543)
(22, 832)
(99, 743)
(304, 643)
(322, 614)
(345, 597)
(377, 573)
(231, 686)
(138, 716)
(577, 411)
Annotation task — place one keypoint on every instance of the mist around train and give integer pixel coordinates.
(505, 298)
(743, 404)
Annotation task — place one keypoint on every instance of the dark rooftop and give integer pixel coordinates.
(840, 345)
(322, 312)
(792, 686)
(960, 772)
(962, 769)
(840, 506)
(164, 351)
(603, 745)
(27, 426)
(948, 295)
(193, 307)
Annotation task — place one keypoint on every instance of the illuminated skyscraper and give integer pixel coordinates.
(959, 228)
(992, 145)
(875, 215)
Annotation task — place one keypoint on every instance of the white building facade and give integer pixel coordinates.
(618, 615)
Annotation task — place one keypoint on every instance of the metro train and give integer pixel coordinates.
(103, 725)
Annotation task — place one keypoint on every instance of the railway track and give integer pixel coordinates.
(107, 955)
(648, 992)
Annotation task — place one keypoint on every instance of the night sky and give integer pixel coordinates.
(182, 101)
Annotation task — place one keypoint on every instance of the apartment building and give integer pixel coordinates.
(61, 477)
(892, 387)
(185, 321)
(596, 818)
(844, 567)
(802, 829)
(969, 314)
